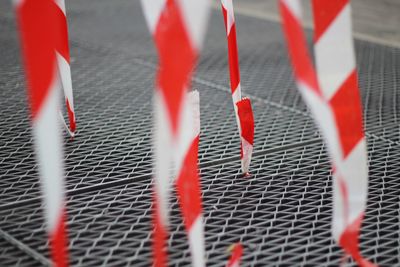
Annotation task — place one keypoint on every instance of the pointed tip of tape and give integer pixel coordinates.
(245, 166)
(194, 95)
(71, 133)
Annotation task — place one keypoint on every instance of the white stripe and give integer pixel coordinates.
(195, 15)
(325, 121)
(48, 146)
(334, 54)
(65, 74)
(235, 264)
(354, 170)
(61, 5)
(247, 152)
(162, 154)
(196, 241)
(294, 6)
(230, 15)
(152, 10)
(189, 128)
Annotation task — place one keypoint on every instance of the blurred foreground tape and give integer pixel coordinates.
(38, 26)
(336, 108)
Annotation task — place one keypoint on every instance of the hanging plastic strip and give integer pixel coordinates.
(336, 108)
(242, 106)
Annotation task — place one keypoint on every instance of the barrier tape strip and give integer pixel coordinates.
(188, 184)
(337, 110)
(245, 124)
(63, 60)
(38, 31)
(178, 28)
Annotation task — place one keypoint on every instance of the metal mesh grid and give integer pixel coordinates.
(282, 214)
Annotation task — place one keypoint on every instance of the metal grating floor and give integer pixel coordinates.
(281, 214)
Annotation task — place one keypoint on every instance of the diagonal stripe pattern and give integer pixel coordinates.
(245, 123)
(38, 29)
(178, 28)
(63, 60)
(336, 108)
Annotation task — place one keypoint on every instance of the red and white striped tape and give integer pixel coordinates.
(237, 252)
(63, 60)
(245, 123)
(188, 180)
(336, 108)
(178, 28)
(337, 76)
(38, 29)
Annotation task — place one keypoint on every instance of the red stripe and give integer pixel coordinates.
(325, 11)
(37, 29)
(233, 53)
(236, 255)
(346, 107)
(71, 116)
(246, 119)
(59, 244)
(299, 55)
(62, 45)
(159, 236)
(188, 186)
(177, 59)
